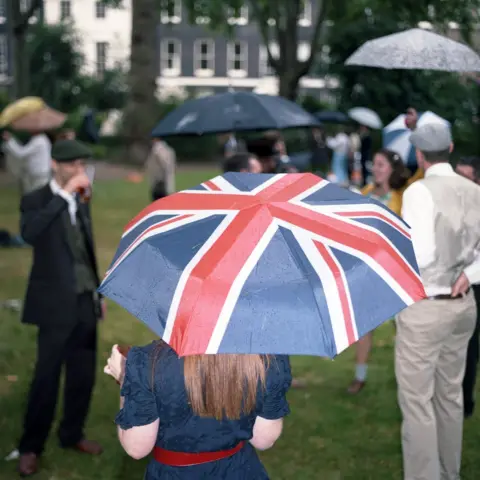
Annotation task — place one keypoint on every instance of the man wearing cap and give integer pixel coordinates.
(61, 300)
(433, 334)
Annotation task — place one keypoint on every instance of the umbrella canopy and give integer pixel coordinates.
(416, 49)
(233, 112)
(396, 135)
(367, 117)
(39, 121)
(327, 116)
(19, 108)
(258, 263)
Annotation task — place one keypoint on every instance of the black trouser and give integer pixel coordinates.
(159, 191)
(75, 347)
(472, 361)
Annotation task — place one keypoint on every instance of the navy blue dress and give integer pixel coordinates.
(181, 430)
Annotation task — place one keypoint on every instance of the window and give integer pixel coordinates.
(305, 14)
(3, 11)
(200, 7)
(170, 57)
(102, 52)
(65, 9)
(204, 57)
(264, 69)
(3, 55)
(172, 14)
(237, 59)
(303, 52)
(239, 18)
(100, 10)
(24, 5)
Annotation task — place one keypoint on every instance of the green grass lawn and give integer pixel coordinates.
(328, 436)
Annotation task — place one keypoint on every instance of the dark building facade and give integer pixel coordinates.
(5, 47)
(193, 58)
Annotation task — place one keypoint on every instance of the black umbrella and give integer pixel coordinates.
(327, 116)
(234, 112)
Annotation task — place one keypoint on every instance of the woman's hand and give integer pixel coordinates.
(115, 366)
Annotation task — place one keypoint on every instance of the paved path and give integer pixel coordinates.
(110, 171)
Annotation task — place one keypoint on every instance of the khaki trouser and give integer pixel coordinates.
(430, 351)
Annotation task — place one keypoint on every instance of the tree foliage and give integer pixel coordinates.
(55, 65)
(390, 92)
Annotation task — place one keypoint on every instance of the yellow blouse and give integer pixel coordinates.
(395, 203)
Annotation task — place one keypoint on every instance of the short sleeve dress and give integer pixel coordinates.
(162, 395)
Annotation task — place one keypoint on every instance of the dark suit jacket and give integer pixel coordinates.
(51, 294)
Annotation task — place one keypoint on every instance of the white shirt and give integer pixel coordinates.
(36, 154)
(418, 211)
(339, 144)
(70, 199)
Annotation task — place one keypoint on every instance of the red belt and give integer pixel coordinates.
(183, 459)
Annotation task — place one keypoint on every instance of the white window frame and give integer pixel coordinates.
(242, 18)
(176, 70)
(3, 54)
(3, 11)
(305, 16)
(231, 59)
(204, 72)
(176, 16)
(201, 20)
(60, 13)
(264, 69)
(100, 7)
(105, 62)
(303, 51)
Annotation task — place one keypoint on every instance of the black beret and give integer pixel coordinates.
(64, 151)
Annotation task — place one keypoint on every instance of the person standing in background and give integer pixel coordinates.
(469, 167)
(61, 300)
(34, 160)
(433, 334)
(365, 151)
(160, 169)
(340, 145)
(242, 162)
(390, 179)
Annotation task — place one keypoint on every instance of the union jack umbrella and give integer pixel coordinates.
(257, 263)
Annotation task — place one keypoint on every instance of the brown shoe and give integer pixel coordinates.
(27, 464)
(355, 387)
(88, 446)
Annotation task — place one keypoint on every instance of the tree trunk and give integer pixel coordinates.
(288, 86)
(22, 75)
(139, 117)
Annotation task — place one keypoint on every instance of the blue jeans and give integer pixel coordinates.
(340, 168)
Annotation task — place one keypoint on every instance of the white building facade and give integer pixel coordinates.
(104, 32)
(190, 56)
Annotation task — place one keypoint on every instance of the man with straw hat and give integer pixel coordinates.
(61, 300)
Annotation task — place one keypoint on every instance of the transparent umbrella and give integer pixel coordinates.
(416, 49)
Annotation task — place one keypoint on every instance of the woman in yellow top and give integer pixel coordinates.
(390, 179)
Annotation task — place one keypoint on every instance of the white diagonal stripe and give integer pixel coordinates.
(236, 289)
(172, 313)
(330, 290)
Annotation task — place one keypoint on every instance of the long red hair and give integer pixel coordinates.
(224, 385)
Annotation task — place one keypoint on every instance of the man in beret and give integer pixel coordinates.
(61, 300)
(433, 334)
